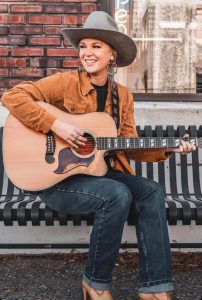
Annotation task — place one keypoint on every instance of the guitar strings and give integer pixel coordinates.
(139, 142)
(155, 138)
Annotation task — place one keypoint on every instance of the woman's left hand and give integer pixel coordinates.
(184, 148)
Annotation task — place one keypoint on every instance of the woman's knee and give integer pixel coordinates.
(120, 197)
(151, 196)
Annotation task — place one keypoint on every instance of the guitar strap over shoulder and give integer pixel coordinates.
(115, 103)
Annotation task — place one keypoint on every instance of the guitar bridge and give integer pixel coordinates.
(50, 147)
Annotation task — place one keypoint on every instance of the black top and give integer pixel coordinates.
(102, 92)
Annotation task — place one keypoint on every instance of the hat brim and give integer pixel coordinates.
(123, 44)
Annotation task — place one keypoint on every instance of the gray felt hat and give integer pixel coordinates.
(100, 25)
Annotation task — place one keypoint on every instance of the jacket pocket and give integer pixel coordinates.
(74, 106)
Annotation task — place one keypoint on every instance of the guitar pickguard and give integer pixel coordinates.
(67, 161)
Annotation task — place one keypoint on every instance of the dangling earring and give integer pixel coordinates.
(112, 70)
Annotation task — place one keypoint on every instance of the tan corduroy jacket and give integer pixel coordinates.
(72, 91)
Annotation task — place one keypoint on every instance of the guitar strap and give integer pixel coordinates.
(115, 103)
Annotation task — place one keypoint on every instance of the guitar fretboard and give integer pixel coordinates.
(113, 143)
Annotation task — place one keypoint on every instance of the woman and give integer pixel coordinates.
(100, 46)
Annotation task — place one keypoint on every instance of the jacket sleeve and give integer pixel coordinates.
(128, 128)
(22, 99)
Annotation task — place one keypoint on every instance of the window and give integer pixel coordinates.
(168, 35)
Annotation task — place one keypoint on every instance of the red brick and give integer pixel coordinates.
(80, 0)
(2, 62)
(18, 19)
(11, 40)
(52, 1)
(3, 83)
(68, 63)
(87, 8)
(70, 20)
(62, 52)
(53, 29)
(45, 41)
(12, 0)
(3, 51)
(4, 19)
(4, 72)
(3, 8)
(61, 9)
(15, 19)
(3, 30)
(25, 29)
(45, 62)
(24, 51)
(12, 62)
(27, 73)
(82, 19)
(26, 8)
(44, 19)
(50, 72)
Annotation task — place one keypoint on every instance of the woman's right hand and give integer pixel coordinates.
(68, 132)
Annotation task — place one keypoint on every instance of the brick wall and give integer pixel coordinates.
(31, 45)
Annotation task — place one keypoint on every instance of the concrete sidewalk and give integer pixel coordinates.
(58, 276)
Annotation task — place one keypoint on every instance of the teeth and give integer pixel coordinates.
(90, 61)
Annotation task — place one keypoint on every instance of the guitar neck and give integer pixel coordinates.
(124, 143)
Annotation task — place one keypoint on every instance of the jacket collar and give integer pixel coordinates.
(86, 86)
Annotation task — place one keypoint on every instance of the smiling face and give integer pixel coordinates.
(95, 56)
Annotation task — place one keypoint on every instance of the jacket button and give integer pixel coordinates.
(72, 108)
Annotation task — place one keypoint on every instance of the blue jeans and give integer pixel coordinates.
(110, 198)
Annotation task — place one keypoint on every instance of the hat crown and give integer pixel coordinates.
(100, 20)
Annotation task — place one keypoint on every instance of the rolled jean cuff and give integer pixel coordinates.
(97, 284)
(158, 288)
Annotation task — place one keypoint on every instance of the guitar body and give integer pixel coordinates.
(27, 160)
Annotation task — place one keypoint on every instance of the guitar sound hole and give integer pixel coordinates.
(89, 145)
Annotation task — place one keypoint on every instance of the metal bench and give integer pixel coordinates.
(181, 177)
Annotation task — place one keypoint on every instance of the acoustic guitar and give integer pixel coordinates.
(36, 161)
